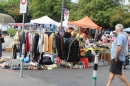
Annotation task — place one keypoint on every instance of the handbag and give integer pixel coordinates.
(2, 40)
(128, 56)
(126, 61)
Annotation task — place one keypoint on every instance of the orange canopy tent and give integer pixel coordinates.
(85, 22)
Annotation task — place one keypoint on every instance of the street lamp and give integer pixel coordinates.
(62, 16)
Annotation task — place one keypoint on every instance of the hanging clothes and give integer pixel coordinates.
(45, 45)
(35, 50)
(22, 41)
(54, 27)
(50, 47)
(16, 39)
(56, 41)
(73, 50)
(31, 36)
(61, 51)
(40, 42)
(16, 44)
(36, 43)
(27, 44)
(54, 46)
(14, 51)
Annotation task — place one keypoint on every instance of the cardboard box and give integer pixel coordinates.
(8, 49)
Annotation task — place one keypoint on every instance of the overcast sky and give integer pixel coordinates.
(74, 0)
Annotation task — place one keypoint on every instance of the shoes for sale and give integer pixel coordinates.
(15, 67)
(44, 67)
(4, 65)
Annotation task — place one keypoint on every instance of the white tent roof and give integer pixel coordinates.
(44, 20)
(64, 23)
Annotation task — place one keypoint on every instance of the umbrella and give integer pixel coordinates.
(4, 18)
(126, 30)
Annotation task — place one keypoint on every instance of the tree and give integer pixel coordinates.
(48, 7)
(73, 13)
(11, 8)
(97, 10)
(104, 13)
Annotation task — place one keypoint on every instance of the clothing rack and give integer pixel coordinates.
(29, 53)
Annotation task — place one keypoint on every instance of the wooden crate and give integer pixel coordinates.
(8, 49)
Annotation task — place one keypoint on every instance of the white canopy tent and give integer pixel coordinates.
(44, 20)
(3, 27)
(64, 24)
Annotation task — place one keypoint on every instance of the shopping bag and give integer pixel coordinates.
(126, 61)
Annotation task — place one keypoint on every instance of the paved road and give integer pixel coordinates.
(75, 77)
(64, 77)
(11, 78)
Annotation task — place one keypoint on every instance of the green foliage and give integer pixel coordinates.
(12, 31)
(11, 7)
(51, 8)
(105, 13)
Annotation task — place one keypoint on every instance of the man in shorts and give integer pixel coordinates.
(118, 52)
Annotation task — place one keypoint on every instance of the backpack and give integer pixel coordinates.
(73, 54)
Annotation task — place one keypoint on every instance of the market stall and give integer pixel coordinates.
(39, 46)
(87, 51)
(44, 20)
(85, 22)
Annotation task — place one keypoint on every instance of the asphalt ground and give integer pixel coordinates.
(62, 76)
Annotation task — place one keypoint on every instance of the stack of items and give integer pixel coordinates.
(3, 63)
(30, 67)
(34, 66)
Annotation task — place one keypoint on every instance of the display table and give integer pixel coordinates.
(105, 53)
(87, 49)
